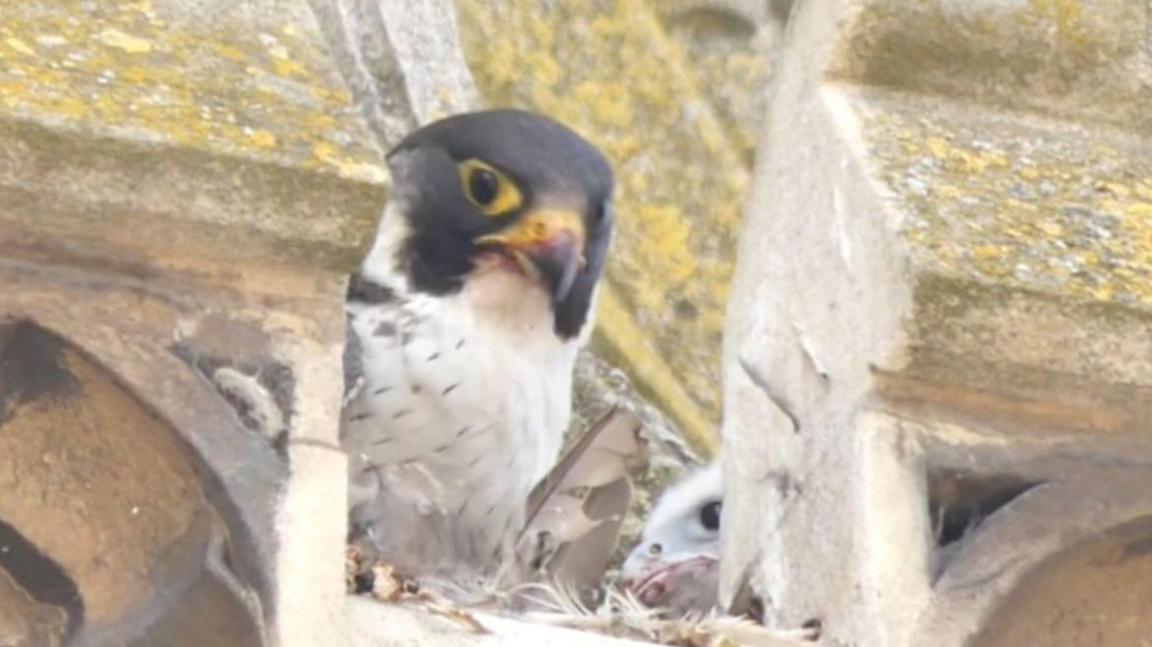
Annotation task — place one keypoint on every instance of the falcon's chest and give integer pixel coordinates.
(465, 398)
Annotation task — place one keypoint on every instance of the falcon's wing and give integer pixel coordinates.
(361, 293)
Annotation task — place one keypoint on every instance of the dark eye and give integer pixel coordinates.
(484, 186)
(488, 188)
(710, 516)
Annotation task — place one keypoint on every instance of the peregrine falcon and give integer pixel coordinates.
(676, 564)
(464, 324)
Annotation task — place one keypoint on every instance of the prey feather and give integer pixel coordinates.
(574, 515)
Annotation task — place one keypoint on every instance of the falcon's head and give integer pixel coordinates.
(507, 191)
(676, 564)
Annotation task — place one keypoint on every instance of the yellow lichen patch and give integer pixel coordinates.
(229, 52)
(278, 51)
(262, 138)
(731, 57)
(608, 69)
(286, 67)
(125, 42)
(618, 339)
(330, 155)
(232, 89)
(1014, 201)
(19, 46)
(1066, 14)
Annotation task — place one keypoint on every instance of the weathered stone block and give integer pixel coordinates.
(183, 188)
(937, 392)
(401, 59)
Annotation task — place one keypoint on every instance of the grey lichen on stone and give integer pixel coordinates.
(233, 82)
(183, 130)
(1010, 199)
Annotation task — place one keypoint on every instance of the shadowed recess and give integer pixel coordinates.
(105, 511)
(959, 502)
(31, 367)
(40, 576)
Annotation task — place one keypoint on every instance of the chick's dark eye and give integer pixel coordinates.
(484, 186)
(710, 516)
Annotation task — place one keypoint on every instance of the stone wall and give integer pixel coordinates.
(183, 188)
(939, 346)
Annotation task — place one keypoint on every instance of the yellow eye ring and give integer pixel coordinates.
(489, 189)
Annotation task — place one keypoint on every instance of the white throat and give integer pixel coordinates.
(511, 301)
(379, 265)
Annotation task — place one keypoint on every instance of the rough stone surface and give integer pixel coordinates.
(249, 79)
(936, 386)
(312, 524)
(159, 130)
(1102, 586)
(1079, 60)
(148, 418)
(183, 187)
(402, 60)
(1025, 202)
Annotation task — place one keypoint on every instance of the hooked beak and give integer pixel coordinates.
(548, 243)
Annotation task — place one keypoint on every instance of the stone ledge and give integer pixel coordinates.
(1039, 364)
(926, 272)
(1080, 60)
(1029, 248)
(236, 79)
(135, 203)
(1011, 199)
(383, 625)
(167, 130)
